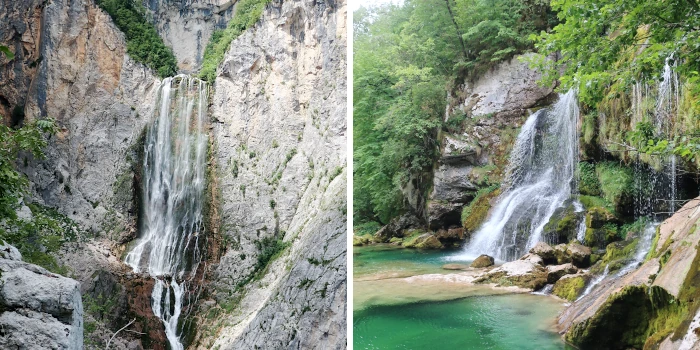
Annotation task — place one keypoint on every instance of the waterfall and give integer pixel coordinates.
(595, 282)
(642, 249)
(174, 166)
(539, 178)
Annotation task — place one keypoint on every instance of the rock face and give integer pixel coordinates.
(474, 155)
(279, 123)
(660, 290)
(187, 25)
(40, 310)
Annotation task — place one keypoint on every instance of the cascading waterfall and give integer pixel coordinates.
(643, 246)
(540, 177)
(595, 282)
(659, 105)
(173, 195)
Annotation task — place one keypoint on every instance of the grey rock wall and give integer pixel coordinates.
(279, 122)
(40, 309)
(187, 25)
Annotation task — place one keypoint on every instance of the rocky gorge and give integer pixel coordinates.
(607, 247)
(271, 251)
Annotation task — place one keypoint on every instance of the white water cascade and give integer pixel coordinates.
(643, 246)
(595, 282)
(539, 178)
(174, 166)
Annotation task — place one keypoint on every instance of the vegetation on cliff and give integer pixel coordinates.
(248, 13)
(403, 57)
(608, 46)
(143, 43)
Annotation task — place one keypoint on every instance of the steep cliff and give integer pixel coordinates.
(277, 166)
(187, 25)
(279, 125)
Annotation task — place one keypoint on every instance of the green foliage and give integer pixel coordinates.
(406, 59)
(366, 228)
(143, 43)
(41, 236)
(588, 180)
(28, 139)
(248, 12)
(7, 52)
(268, 249)
(616, 183)
(474, 214)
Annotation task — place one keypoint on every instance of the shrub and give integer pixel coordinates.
(143, 43)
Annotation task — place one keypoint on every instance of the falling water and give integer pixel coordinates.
(173, 188)
(540, 177)
(667, 102)
(595, 282)
(642, 249)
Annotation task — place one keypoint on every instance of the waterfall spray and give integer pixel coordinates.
(173, 194)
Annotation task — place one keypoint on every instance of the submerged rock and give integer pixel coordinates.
(482, 261)
(455, 267)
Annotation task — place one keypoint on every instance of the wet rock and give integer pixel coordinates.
(569, 287)
(452, 235)
(555, 272)
(482, 261)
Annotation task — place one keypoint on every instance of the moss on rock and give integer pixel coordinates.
(570, 287)
(475, 213)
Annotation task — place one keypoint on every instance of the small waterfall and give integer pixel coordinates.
(581, 229)
(539, 178)
(173, 194)
(595, 282)
(643, 246)
(546, 290)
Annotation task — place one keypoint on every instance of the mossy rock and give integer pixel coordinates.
(361, 240)
(616, 256)
(424, 241)
(617, 185)
(635, 317)
(396, 240)
(600, 237)
(597, 217)
(562, 225)
(476, 212)
(570, 287)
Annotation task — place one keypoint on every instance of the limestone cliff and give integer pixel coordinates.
(187, 25)
(278, 163)
(279, 123)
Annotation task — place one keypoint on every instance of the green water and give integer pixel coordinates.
(391, 313)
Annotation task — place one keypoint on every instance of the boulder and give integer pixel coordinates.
(361, 240)
(482, 261)
(555, 272)
(521, 273)
(9, 252)
(533, 258)
(424, 241)
(42, 310)
(580, 254)
(396, 227)
(545, 251)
